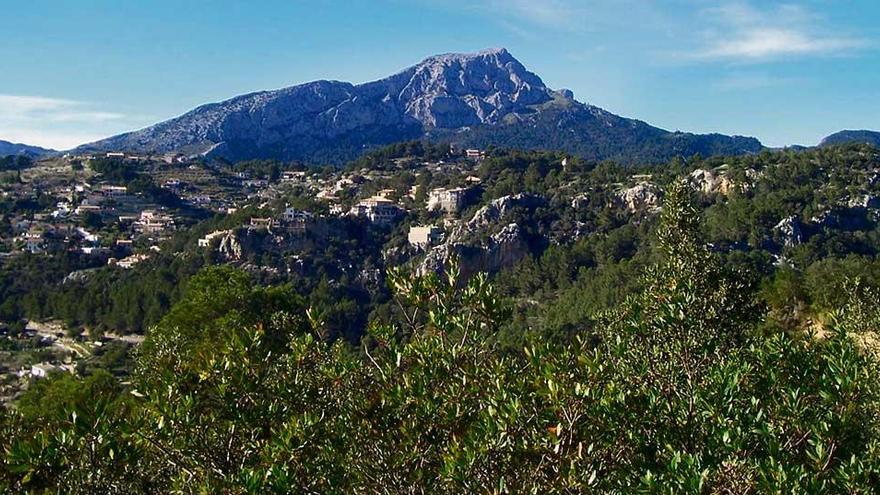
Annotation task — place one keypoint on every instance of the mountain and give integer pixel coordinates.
(475, 99)
(7, 148)
(863, 136)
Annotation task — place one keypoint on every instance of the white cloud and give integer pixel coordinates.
(767, 43)
(548, 12)
(84, 116)
(25, 104)
(746, 81)
(745, 34)
(524, 17)
(52, 122)
(17, 107)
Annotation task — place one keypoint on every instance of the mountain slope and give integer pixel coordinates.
(7, 148)
(482, 98)
(593, 133)
(847, 136)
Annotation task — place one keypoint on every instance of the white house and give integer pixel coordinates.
(425, 235)
(377, 210)
(448, 200)
(110, 191)
(475, 154)
(42, 370)
(206, 241)
(151, 222)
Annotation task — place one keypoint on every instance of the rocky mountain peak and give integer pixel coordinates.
(465, 89)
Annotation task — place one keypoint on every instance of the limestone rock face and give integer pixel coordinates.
(641, 198)
(709, 182)
(790, 231)
(579, 200)
(456, 90)
(842, 218)
(503, 247)
(230, 247)
(500, 208)
(864, 201)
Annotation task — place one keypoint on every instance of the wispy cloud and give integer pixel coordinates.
(536, 18)
(745, 34)
(753, 81)
(552, 13)
(52, 122)
(768, 43)
(40, 108)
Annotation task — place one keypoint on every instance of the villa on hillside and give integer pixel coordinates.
(376, 209)
(423, 236)
(475, 154)
(448, 200)
(206, 241)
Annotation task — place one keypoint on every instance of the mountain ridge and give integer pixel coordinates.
(482, 98)
(848, 136)
(9, 148)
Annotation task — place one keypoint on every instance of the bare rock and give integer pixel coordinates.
(641, 198)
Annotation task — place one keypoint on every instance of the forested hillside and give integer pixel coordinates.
(684, 387)
(802, 221)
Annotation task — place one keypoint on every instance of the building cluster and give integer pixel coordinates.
(168, 158)
(109, 221)
(102, 220)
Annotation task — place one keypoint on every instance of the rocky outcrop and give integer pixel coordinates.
(709, 182)
(230, 247)
(500, 208)
(789, 231)
(842, 218)
(644, 197)
(78, 276)
(503, 249)
(579, 200)
(477, 253)
(855, 214)
(864, 201)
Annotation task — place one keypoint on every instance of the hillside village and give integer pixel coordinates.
(66, 206)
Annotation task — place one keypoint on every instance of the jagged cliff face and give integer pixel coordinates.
(505, 245)
(452, 91)
(480, 98)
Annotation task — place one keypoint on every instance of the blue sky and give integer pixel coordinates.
(787, 73)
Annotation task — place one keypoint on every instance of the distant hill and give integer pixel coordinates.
(477, 99)
(7, 148)
(862, 136)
